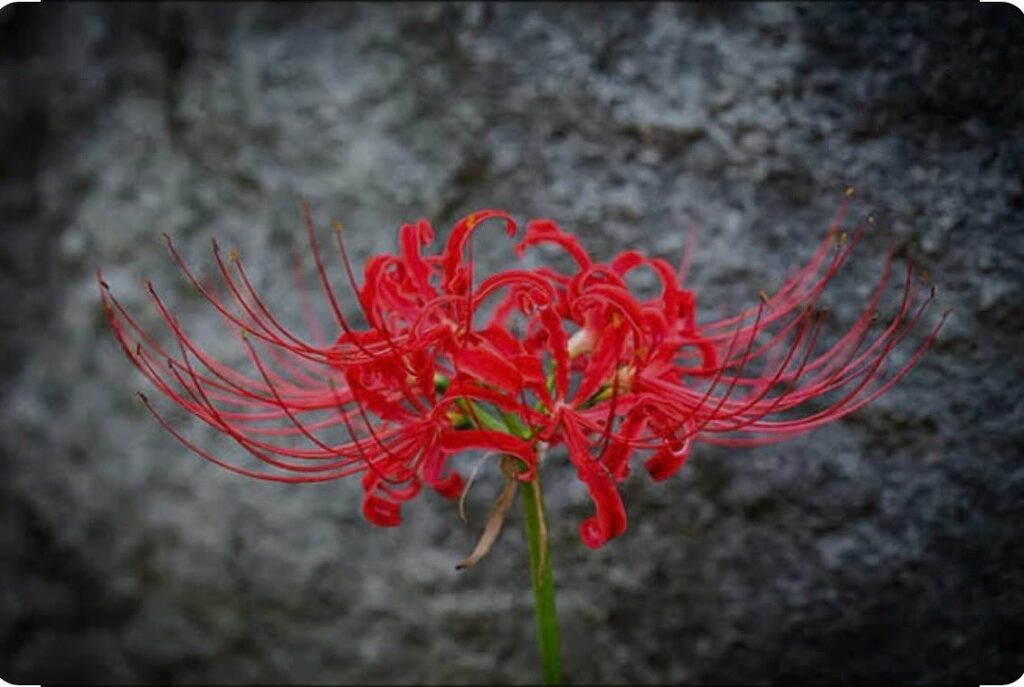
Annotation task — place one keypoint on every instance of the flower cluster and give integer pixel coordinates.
(526, 358)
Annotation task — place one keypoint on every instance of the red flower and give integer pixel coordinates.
(559, 358)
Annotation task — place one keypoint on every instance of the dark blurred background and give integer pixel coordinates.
(883, 548)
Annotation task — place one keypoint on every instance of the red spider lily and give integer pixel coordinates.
(554, 358)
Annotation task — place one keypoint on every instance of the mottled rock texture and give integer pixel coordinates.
(882, 548)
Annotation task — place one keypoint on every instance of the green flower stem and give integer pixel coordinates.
(537, 541)
(543, 584)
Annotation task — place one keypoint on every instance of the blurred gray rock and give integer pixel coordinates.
(884, 548)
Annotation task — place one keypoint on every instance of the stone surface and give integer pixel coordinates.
(883, 548)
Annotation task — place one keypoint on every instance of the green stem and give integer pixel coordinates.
(543, 584)
(537, 541)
